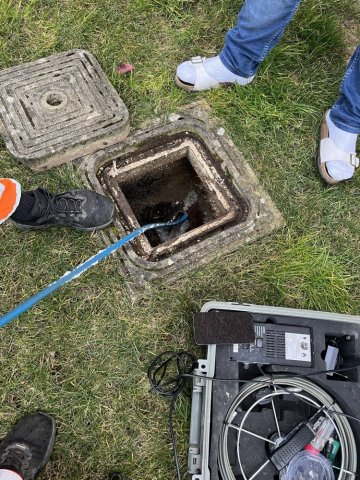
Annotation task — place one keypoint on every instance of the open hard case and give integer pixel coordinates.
(230, 441)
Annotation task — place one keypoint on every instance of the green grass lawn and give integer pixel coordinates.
(82, 354)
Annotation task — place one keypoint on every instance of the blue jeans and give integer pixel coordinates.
(260, 25)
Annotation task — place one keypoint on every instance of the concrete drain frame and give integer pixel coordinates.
(240, 210)
(152, 164)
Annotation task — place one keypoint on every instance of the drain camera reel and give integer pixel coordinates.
(254, 400)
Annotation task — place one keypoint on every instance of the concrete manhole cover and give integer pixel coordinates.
(57, 109)
(151, 175)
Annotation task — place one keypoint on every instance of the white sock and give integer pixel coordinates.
(9, 475)
(215, 68)
(344, 141)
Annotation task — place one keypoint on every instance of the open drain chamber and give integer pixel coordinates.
(155, 183)
(155, 170)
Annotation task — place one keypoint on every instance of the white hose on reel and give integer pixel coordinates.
(318, 398)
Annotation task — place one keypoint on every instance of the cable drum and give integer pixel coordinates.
(252, 397)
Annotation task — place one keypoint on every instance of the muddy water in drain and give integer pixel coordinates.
(159, 195)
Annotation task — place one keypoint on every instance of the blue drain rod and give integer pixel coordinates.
(68, 276)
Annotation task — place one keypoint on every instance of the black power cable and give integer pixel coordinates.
(167, 377)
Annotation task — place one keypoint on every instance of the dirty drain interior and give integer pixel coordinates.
(157, 184)
(160, 195)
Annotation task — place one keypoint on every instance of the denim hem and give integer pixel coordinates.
(232, 70)
(343, 126)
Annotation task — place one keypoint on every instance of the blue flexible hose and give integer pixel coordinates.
(68, 276)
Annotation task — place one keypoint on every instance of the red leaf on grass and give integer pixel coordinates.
(124, 68)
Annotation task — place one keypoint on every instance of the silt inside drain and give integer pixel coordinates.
(163, 193)
(156, 182)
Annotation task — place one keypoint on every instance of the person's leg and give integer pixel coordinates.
(81, 209)
(27, 447)
(36, 209)
(260, 26)
(343, 122)
(25, 207)
(345, 112)
(10, 194)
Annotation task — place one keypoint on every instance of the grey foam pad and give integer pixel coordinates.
(223, 327)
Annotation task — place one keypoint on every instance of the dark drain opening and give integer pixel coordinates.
(152, 183)
(158, 195)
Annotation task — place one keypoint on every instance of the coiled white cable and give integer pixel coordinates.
(305, 390)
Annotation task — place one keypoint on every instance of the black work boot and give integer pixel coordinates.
(27, 448)
(81, 209)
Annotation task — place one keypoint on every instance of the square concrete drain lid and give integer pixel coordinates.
(59, 108)
(151, 175)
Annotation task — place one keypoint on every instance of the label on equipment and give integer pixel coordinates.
(297, 347)
(236, 348)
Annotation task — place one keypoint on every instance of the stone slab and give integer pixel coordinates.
(58, 109)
